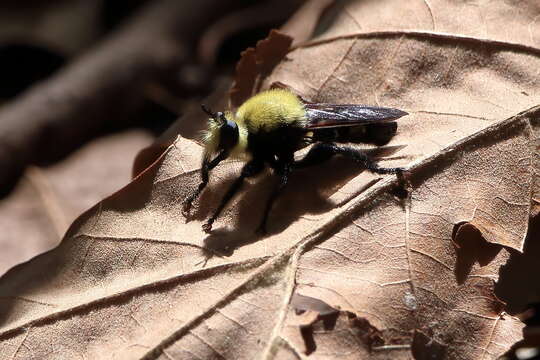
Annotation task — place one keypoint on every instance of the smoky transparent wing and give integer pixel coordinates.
(322, 116)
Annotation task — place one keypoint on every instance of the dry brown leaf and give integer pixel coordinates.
(303, 23)
(132, 280)
(36, 215)
(256, 63)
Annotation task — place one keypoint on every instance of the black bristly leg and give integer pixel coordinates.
(205, 169)
(324, 151)
(283, 169)
(252, 168)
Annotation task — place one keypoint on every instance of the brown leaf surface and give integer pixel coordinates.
(36, 215)
(131, 279)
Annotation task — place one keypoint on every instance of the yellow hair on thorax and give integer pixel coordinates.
(270, 109)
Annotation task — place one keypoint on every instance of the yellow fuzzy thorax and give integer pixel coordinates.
(270, 109)
(263, 112)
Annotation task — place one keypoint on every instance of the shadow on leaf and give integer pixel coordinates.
(308, 192)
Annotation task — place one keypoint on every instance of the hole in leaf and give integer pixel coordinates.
(471, 248)
(309, 340)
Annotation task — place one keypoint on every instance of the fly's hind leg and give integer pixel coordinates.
(322, 152)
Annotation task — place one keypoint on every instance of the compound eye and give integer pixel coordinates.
(229, 135)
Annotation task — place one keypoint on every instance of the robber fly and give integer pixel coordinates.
(271, 126)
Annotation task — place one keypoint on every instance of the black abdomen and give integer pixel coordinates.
(377, 134)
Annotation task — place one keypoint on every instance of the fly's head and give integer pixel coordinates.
(222, 133)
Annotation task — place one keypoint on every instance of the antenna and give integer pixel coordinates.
(208, 111)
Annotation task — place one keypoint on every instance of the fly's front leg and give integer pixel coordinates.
(205, 169)
(252, 168)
